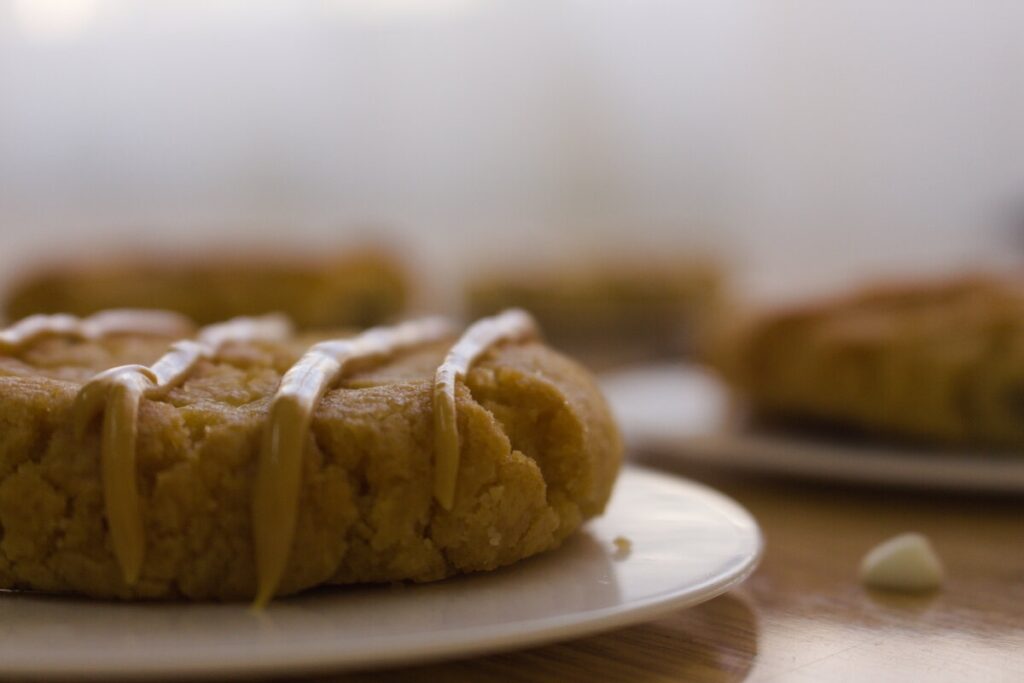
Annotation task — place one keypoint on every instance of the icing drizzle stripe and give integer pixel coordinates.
(279, 474)
(509, 326)
(117, 393)
(102, 324)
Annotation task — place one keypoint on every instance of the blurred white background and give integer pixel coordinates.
(810, 141)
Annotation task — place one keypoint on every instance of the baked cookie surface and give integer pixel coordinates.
(538, 455)
(939, 362)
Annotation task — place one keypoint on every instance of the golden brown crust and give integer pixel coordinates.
(539, 456)
(355, 288)
(936, 361)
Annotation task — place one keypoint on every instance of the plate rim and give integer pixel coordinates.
(819, 459)
(732, 446)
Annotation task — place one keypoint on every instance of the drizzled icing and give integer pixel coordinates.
(278, 479)
(117, 393)
(510, 326)
(103, 324)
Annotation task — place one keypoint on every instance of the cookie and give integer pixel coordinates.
(355, 288)
(938, 362)
(242, 460)
(610, 313)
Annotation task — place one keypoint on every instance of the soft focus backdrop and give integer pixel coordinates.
(809, 142)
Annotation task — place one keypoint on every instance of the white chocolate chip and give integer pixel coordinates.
(904, 563)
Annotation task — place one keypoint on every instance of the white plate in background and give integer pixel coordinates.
(689, 544)
(683, 411)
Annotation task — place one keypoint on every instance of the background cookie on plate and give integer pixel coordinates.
(341, 288)
(609, 312)
(939, 361)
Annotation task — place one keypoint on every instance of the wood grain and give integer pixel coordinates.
(803, 616)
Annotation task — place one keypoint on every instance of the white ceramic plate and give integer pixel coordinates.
(683, 411)
(689, 544)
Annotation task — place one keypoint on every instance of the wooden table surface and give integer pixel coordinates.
(803, 616)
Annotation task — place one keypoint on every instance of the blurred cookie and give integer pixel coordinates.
(935, 361)
(355, 288)
(610, 312)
